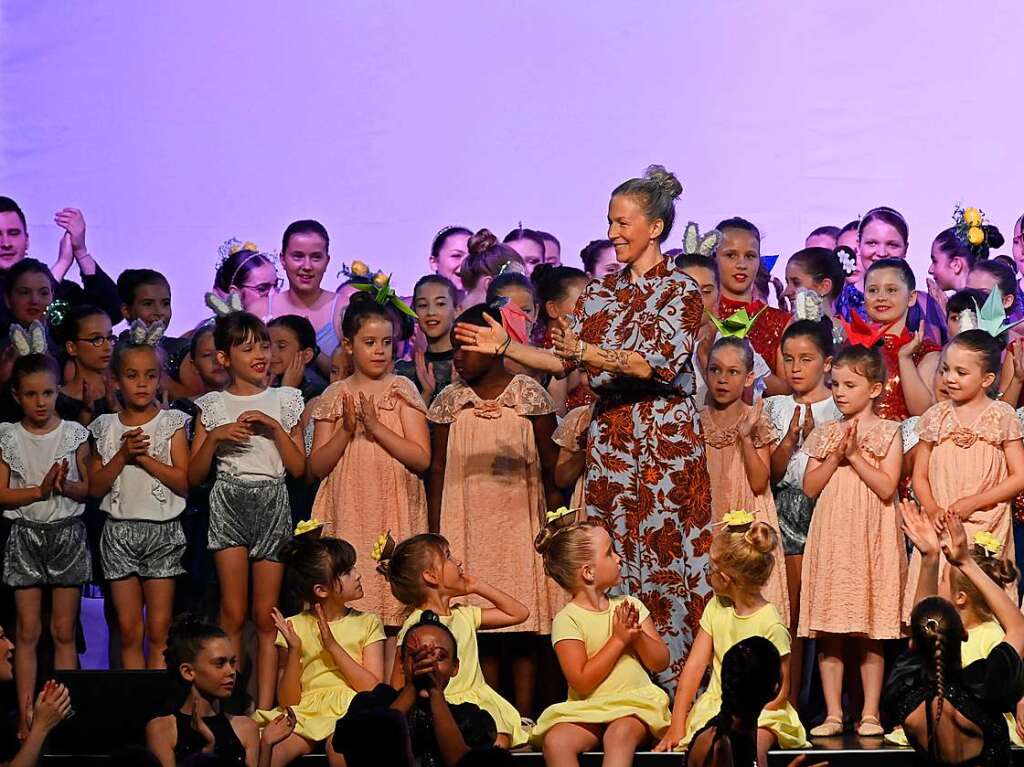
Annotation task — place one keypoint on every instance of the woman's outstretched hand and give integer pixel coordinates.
(485, 340)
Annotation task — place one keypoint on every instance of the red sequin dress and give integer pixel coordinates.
(891, 405)
(766, 335)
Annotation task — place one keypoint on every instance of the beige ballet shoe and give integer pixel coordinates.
(870, 727)
(831, 727)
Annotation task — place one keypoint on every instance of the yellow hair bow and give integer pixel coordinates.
(307, 526)
(988, 543)
(383, 547)
(737, 518)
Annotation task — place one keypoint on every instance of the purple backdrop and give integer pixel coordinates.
(177, 125)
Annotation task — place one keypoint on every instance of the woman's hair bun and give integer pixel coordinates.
(665, 179)
(762, 537)
(481, 242)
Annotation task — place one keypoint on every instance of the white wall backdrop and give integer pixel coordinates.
(177, 125)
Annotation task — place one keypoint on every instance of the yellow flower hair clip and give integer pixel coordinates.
(988, 543)
(562, 516)
(737, 518)
(383, 547)
(309, 526)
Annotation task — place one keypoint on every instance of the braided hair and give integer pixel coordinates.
(751, 675)
(937, 631)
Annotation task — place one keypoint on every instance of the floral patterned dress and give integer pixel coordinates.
(646, 473)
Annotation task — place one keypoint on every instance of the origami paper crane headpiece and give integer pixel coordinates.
(769, 262)
(859, 332)
(992, 315)
(737, 324)
(807, 305)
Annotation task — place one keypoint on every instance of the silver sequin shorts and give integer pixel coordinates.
(47, 554)
(253, 514)
(141, 547)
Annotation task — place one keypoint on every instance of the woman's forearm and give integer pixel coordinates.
(619, 361)
(538, 359)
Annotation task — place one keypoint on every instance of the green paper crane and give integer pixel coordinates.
(737, 324)
(992, 315)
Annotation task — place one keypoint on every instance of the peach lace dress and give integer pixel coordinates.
(571, 435)
(730, 490)
(369, 492)
(965, 461)
(493, 498)
(855, 562)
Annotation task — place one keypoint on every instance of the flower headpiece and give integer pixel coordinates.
(223, 307)
(991, 317)
(230, 247)
(987, 543)
(860, 332)
(737, 519)
(31, 341)
(314, 528)
(969, 226)
(57, 311)
(847, 259)
(141, 334)
(807, 305)
(696, 244)
(738, 324)
(379, 285)
(562, 516)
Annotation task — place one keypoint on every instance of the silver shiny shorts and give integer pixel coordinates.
(141, 547)
(47, 554)
(253, 514)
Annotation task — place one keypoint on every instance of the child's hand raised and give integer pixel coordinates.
(199, 726)
(291, 638)
(746, 425)
(850, 440)
(954, 541)
(46, 487)
(907, 351)
(919, 528)
(348, 413)
(292, 375)
(808, 420)
(326, 635)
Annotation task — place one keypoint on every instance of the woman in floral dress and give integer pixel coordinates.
(634, 332)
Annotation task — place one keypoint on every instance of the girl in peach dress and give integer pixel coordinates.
(739, 439)
(571, 438)
(370, 444)
(970, 459)
(855, 561)
(490, 488)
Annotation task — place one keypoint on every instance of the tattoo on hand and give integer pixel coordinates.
(614, 360)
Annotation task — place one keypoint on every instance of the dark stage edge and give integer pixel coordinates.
(838, 752)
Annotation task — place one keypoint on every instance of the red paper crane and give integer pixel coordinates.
(860, 332)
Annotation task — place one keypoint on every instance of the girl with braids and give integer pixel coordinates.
(952, 713)
(606, 646)
(751, 678)
(742, 559)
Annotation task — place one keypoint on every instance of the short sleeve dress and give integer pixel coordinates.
(571, 435)
(325, 693)
(368, 492)
(468, 686)
(626, 691)
(730, 490)
(966, 461)
(493, 499)
(855, 562)
(726, 628)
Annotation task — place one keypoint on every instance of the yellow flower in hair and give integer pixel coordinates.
(988, 542)
(359, 269)
(561, 511)
(972, 217)
(307, 526)
(380, 280)
(737, 518)
(976, 235)
(383, 547)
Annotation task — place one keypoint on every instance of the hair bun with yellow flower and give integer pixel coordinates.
(314, 528)
(737, 520)
(383, 549)
(971, 228)
(987, 544)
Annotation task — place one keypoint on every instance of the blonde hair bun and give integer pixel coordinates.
(665, 179)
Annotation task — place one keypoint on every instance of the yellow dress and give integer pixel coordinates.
(981, 640)
(626, 691)
(325, 693)
(726, 628)
(468, 686)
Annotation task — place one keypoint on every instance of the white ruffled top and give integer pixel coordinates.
(30, 456)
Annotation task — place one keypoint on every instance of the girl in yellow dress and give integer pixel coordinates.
(424, 576)
(327, 653)
(606, 647)
(742, 559)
